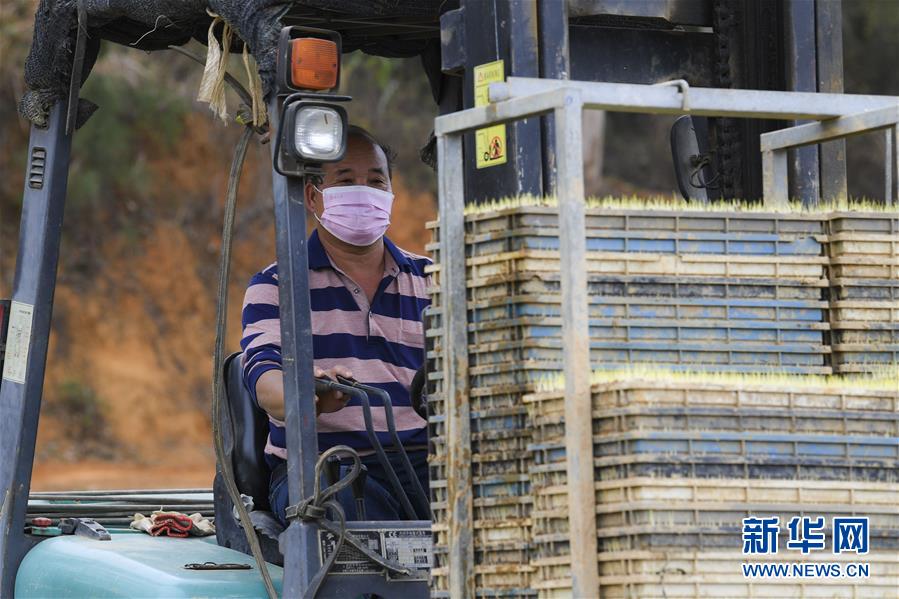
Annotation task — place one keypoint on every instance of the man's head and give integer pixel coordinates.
(367, 161)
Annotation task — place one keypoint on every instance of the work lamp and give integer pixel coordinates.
(311, 132)
(319, 132)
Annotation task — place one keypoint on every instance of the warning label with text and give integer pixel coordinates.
(410, 547)
(18, 342)
(490, 142)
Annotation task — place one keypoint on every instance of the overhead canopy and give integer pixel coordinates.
(391, 28)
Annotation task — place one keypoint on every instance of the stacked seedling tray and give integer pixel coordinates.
(680, 460)
(501, 501)
(690, 290)
(863, 253)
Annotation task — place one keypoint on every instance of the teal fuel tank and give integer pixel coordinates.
(133, 565)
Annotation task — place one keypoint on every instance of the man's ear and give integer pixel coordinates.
(309, 194)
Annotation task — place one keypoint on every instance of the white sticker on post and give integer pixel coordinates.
(18, 342)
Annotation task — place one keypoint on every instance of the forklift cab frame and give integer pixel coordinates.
(303, 542)
(533, 39)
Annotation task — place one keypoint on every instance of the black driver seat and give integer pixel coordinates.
(251, 472)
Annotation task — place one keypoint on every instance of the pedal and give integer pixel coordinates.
(84, 527)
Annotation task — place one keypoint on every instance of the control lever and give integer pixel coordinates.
(84, 527)
(424, 511)
(349, 386)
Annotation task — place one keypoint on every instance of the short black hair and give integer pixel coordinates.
(357, 131)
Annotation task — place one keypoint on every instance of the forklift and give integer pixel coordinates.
(490, 64)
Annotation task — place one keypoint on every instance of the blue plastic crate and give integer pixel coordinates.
(871, 334)
(513, 485)
(697, 445)
(878, 290)
(548, 462)
(771, 420)
(717, 331)
(525, 283)
(665, 242)
(659, 221)
(692, 537)
(500, 379)
(863, 354)
(653, 307)
(881, 223)
(747, 443)
(697, 354)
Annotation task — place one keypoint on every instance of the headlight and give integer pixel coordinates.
(318, 133)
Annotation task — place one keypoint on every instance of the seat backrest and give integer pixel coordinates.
(250, 425)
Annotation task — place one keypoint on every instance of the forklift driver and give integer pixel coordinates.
(367, 296)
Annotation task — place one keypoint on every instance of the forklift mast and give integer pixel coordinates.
(787, 45)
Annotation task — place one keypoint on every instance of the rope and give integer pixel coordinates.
(218, 358)
(314, 509)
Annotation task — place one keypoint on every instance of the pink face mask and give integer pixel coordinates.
(356, 214)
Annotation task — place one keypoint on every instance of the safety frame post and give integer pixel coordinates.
(576, 351)
(43, 205)
(455, 366)
(299, 542)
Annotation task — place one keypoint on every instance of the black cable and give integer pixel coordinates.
(315, 509)
(218, 360)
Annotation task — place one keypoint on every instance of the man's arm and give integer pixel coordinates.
(270, 393)
(261, 344)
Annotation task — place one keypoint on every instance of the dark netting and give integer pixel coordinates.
(156, 24)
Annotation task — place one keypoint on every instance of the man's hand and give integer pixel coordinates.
(333, 400)
(270, 392)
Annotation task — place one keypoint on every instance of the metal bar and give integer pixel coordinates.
(554, 44)
(811, 133)
(455, 365)
(749, 103)
(523, 50)
(301, 555)
(398, 490)
(501, 112)
(107, 492)
(775, 187)
(802, 75)
(576, 353)
(424, 506)
(829, 45)
(40, 230)
(891, 174)
(77, 67)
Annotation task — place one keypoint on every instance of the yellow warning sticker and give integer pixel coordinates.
(490, 142)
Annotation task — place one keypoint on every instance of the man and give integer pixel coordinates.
(367, 296)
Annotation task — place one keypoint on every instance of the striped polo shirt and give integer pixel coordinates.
(381, 343)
